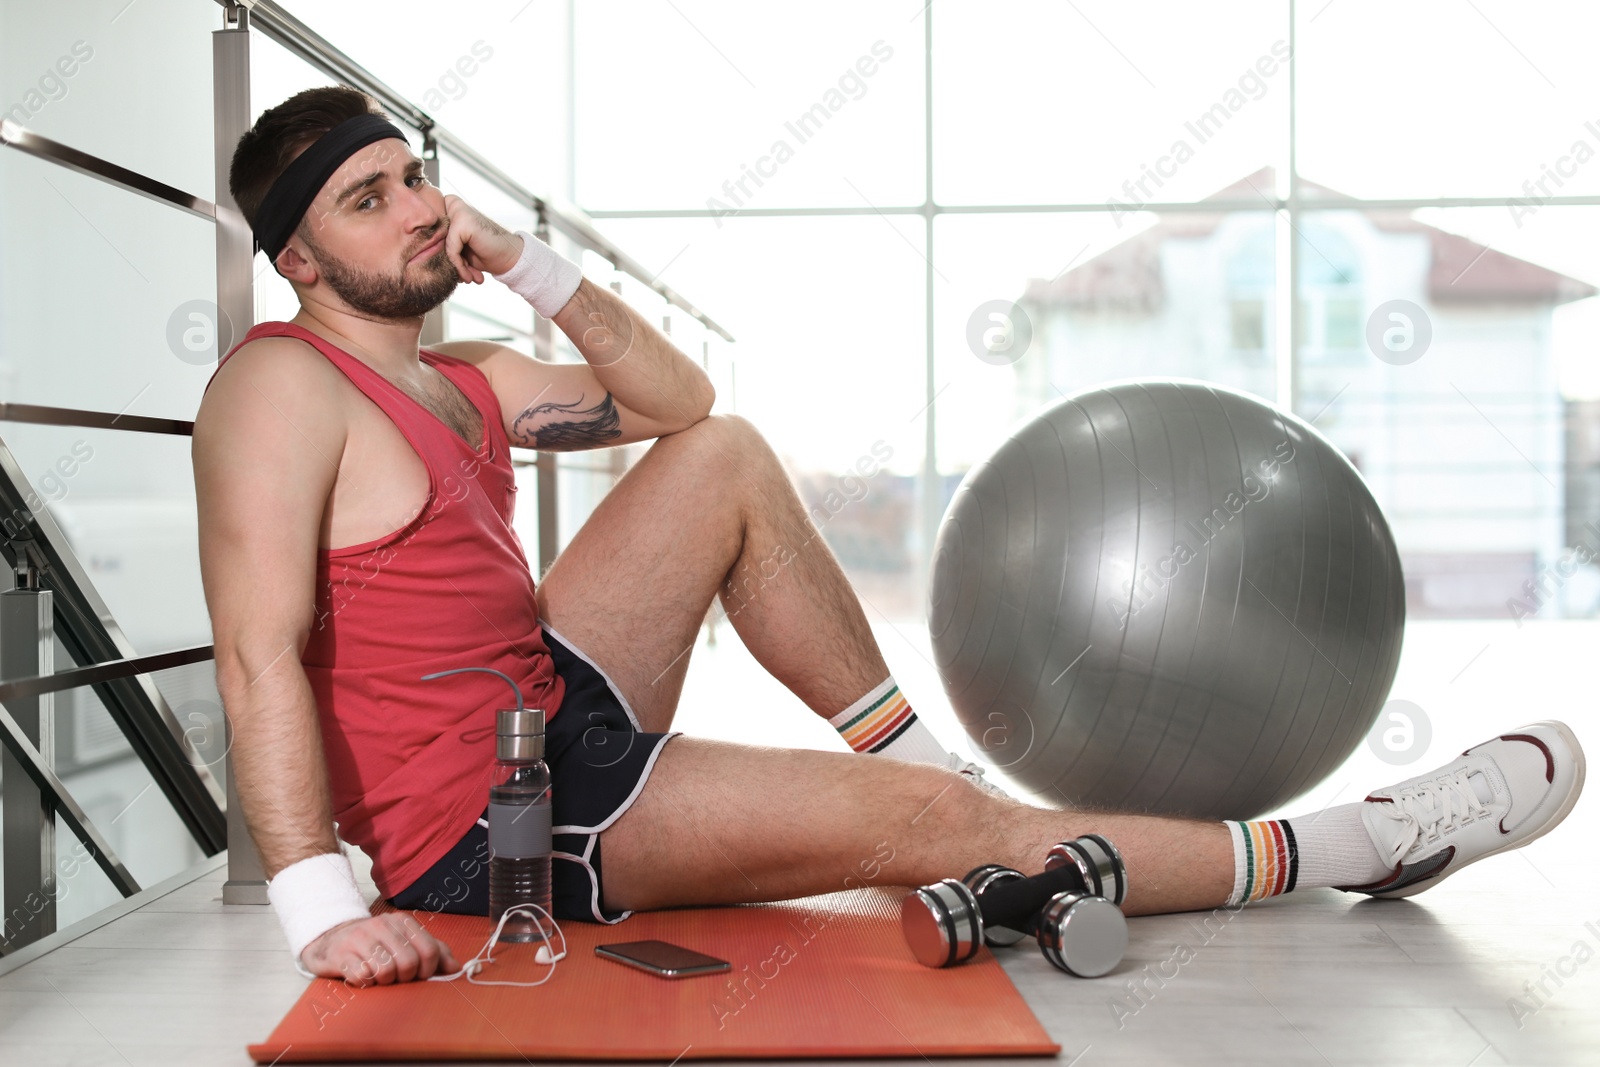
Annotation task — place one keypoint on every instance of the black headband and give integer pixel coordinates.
(290, 196)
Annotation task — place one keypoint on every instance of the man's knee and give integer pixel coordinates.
(732, 442)
(726, 429)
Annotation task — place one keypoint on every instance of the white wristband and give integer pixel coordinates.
(311, 897)
(542, 276)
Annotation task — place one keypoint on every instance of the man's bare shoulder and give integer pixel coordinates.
(281, 377)
(272, 359)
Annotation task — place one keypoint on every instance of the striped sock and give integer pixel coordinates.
(1266, 860)
(882, 722)
(1329, 848)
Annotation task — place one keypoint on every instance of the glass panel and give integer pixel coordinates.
(829, 345)
(490, 306)
(1040, 102)
(125, 503)
(97, 765)
(87, 737)
(1461, 402)
(118, 794)
(133, 333)
(830, 359)
(130, 86)
(727, 105)
(1498, 103)
(100, 288)
(1031, 308)
(492, 74)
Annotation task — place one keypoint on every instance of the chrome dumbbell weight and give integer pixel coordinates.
(1097, 860)
(1079, 933)
(1100, 866)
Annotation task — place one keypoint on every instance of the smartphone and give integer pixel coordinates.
(662, 958)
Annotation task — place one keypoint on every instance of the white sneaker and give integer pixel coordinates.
(974, 773)
(1499, 795)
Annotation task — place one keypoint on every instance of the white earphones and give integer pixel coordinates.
(544, 955)
(475, 964)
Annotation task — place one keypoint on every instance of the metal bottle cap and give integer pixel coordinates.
(519, 734)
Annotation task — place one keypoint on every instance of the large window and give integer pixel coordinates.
(1172, 191)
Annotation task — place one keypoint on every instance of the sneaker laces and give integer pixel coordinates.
(974, 772)
(1429, 809)
(963, 766)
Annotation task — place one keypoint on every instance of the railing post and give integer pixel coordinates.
(433, 322)
(545, 464)
(27, 648)
(230, 88)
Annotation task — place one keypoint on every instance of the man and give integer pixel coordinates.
(355, 504)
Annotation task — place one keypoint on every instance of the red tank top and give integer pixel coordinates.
(409, 761)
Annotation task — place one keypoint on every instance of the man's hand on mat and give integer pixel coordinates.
(380, 950)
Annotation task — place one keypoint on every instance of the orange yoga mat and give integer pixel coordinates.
(825, 976)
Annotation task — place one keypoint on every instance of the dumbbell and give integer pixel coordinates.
(1097, 860)
(979, 880)
(1079, 933)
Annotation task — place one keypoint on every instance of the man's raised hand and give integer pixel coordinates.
(477, 244)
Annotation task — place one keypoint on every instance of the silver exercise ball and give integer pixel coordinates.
(1166, 596)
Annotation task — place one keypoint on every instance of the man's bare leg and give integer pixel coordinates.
(720, 823)
(710, 512)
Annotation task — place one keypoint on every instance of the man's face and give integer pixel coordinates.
(367, 225)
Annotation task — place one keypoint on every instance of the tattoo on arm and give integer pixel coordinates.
(592, 427)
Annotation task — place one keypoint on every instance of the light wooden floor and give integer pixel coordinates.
(1312, 978)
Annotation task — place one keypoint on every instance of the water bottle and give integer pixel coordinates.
(519, 824)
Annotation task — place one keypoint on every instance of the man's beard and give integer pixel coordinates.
(389, 297)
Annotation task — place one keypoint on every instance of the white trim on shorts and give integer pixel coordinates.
(594, 883)
(576, 651)
(638, 787)
(592, 832)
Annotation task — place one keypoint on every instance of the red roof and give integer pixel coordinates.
(1128, 276)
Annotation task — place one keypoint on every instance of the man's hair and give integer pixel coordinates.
(281, 133)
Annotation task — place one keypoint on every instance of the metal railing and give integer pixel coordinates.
(566, 219)
(55, 599)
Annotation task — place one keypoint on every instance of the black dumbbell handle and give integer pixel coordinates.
(1016, 903)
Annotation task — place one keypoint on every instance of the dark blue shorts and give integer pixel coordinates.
(599, 761)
